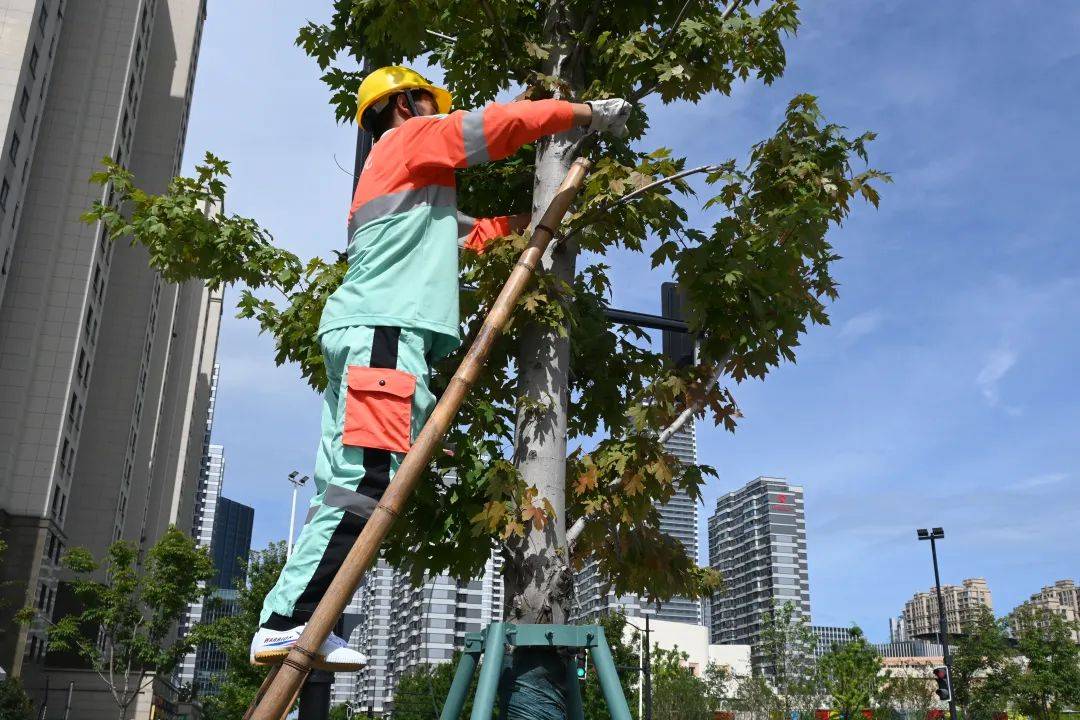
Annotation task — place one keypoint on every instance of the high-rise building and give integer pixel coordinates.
(211, 479)
(399, 626)
(104, 368)
(1062, 599)
(757, 539)
(230, 548)
(962, 605)
(827, 636)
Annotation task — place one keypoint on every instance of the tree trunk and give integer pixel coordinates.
(538, 579)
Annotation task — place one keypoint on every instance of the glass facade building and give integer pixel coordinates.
(757, 540)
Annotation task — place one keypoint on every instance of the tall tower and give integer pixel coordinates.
(211, 481)
(230, 547)
(105, 369)
(757, 539)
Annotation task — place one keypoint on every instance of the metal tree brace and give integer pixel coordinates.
(279, 691)
(492, 644)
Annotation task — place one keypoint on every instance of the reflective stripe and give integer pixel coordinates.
(465, 225)
(311, 513)
(472, 130)
(434, 195)
(346, 499)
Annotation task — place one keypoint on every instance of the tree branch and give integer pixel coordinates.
(498, 29)
(646, 90)
(592, 216)
(586, 28)
(693, 408)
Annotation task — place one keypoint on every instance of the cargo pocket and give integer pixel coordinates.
(378, 409)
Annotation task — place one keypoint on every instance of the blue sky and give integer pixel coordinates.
(944, 393)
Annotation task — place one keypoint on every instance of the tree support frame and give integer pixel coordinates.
(494, 641)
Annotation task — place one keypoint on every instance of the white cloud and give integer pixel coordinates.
(996, 366)
(1036, 481)
(862, 324)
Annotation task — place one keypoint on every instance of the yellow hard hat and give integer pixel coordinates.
(386, 81)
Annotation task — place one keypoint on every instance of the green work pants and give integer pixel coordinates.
(376, 402)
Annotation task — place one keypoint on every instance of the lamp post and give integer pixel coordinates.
(943, 637)
(644, 666)
(297, 480)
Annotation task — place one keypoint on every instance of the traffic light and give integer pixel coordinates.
(944, 686)
(582, 663)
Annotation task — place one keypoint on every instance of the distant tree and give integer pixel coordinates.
(422, 690)
(339, 712)
(911, 695)
(717, 682)
(788, 644)
(1049, 680)
(754, 697)
(851, 675)
(983, 667)
(14, 702)
(236, 687)
(678, 694)
(125, 629)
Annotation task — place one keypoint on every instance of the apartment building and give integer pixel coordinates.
(105, 369)
(399, 625)
(962, 605)
(1062, 599)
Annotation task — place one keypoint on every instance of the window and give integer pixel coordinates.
(63, 455)
(72, 408)
(89, 324)
(52, 45)
(24, 103)
(44, 82)
(43, 18)
(3, 267)
(84, 367)
(13, 149)
(33, 60)
(5, 190)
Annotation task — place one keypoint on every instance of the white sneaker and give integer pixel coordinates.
(269, 647)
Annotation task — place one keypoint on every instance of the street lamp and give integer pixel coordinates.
(943, 637)
(645, 667)
(297, 480)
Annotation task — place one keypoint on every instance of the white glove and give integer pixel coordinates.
(609, 116)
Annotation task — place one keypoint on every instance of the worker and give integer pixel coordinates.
(395, 314)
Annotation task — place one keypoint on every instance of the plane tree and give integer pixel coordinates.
(527, 464)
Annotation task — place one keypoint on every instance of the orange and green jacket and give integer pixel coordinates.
(404, 224)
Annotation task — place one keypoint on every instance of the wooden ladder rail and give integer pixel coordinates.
(281, 686)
